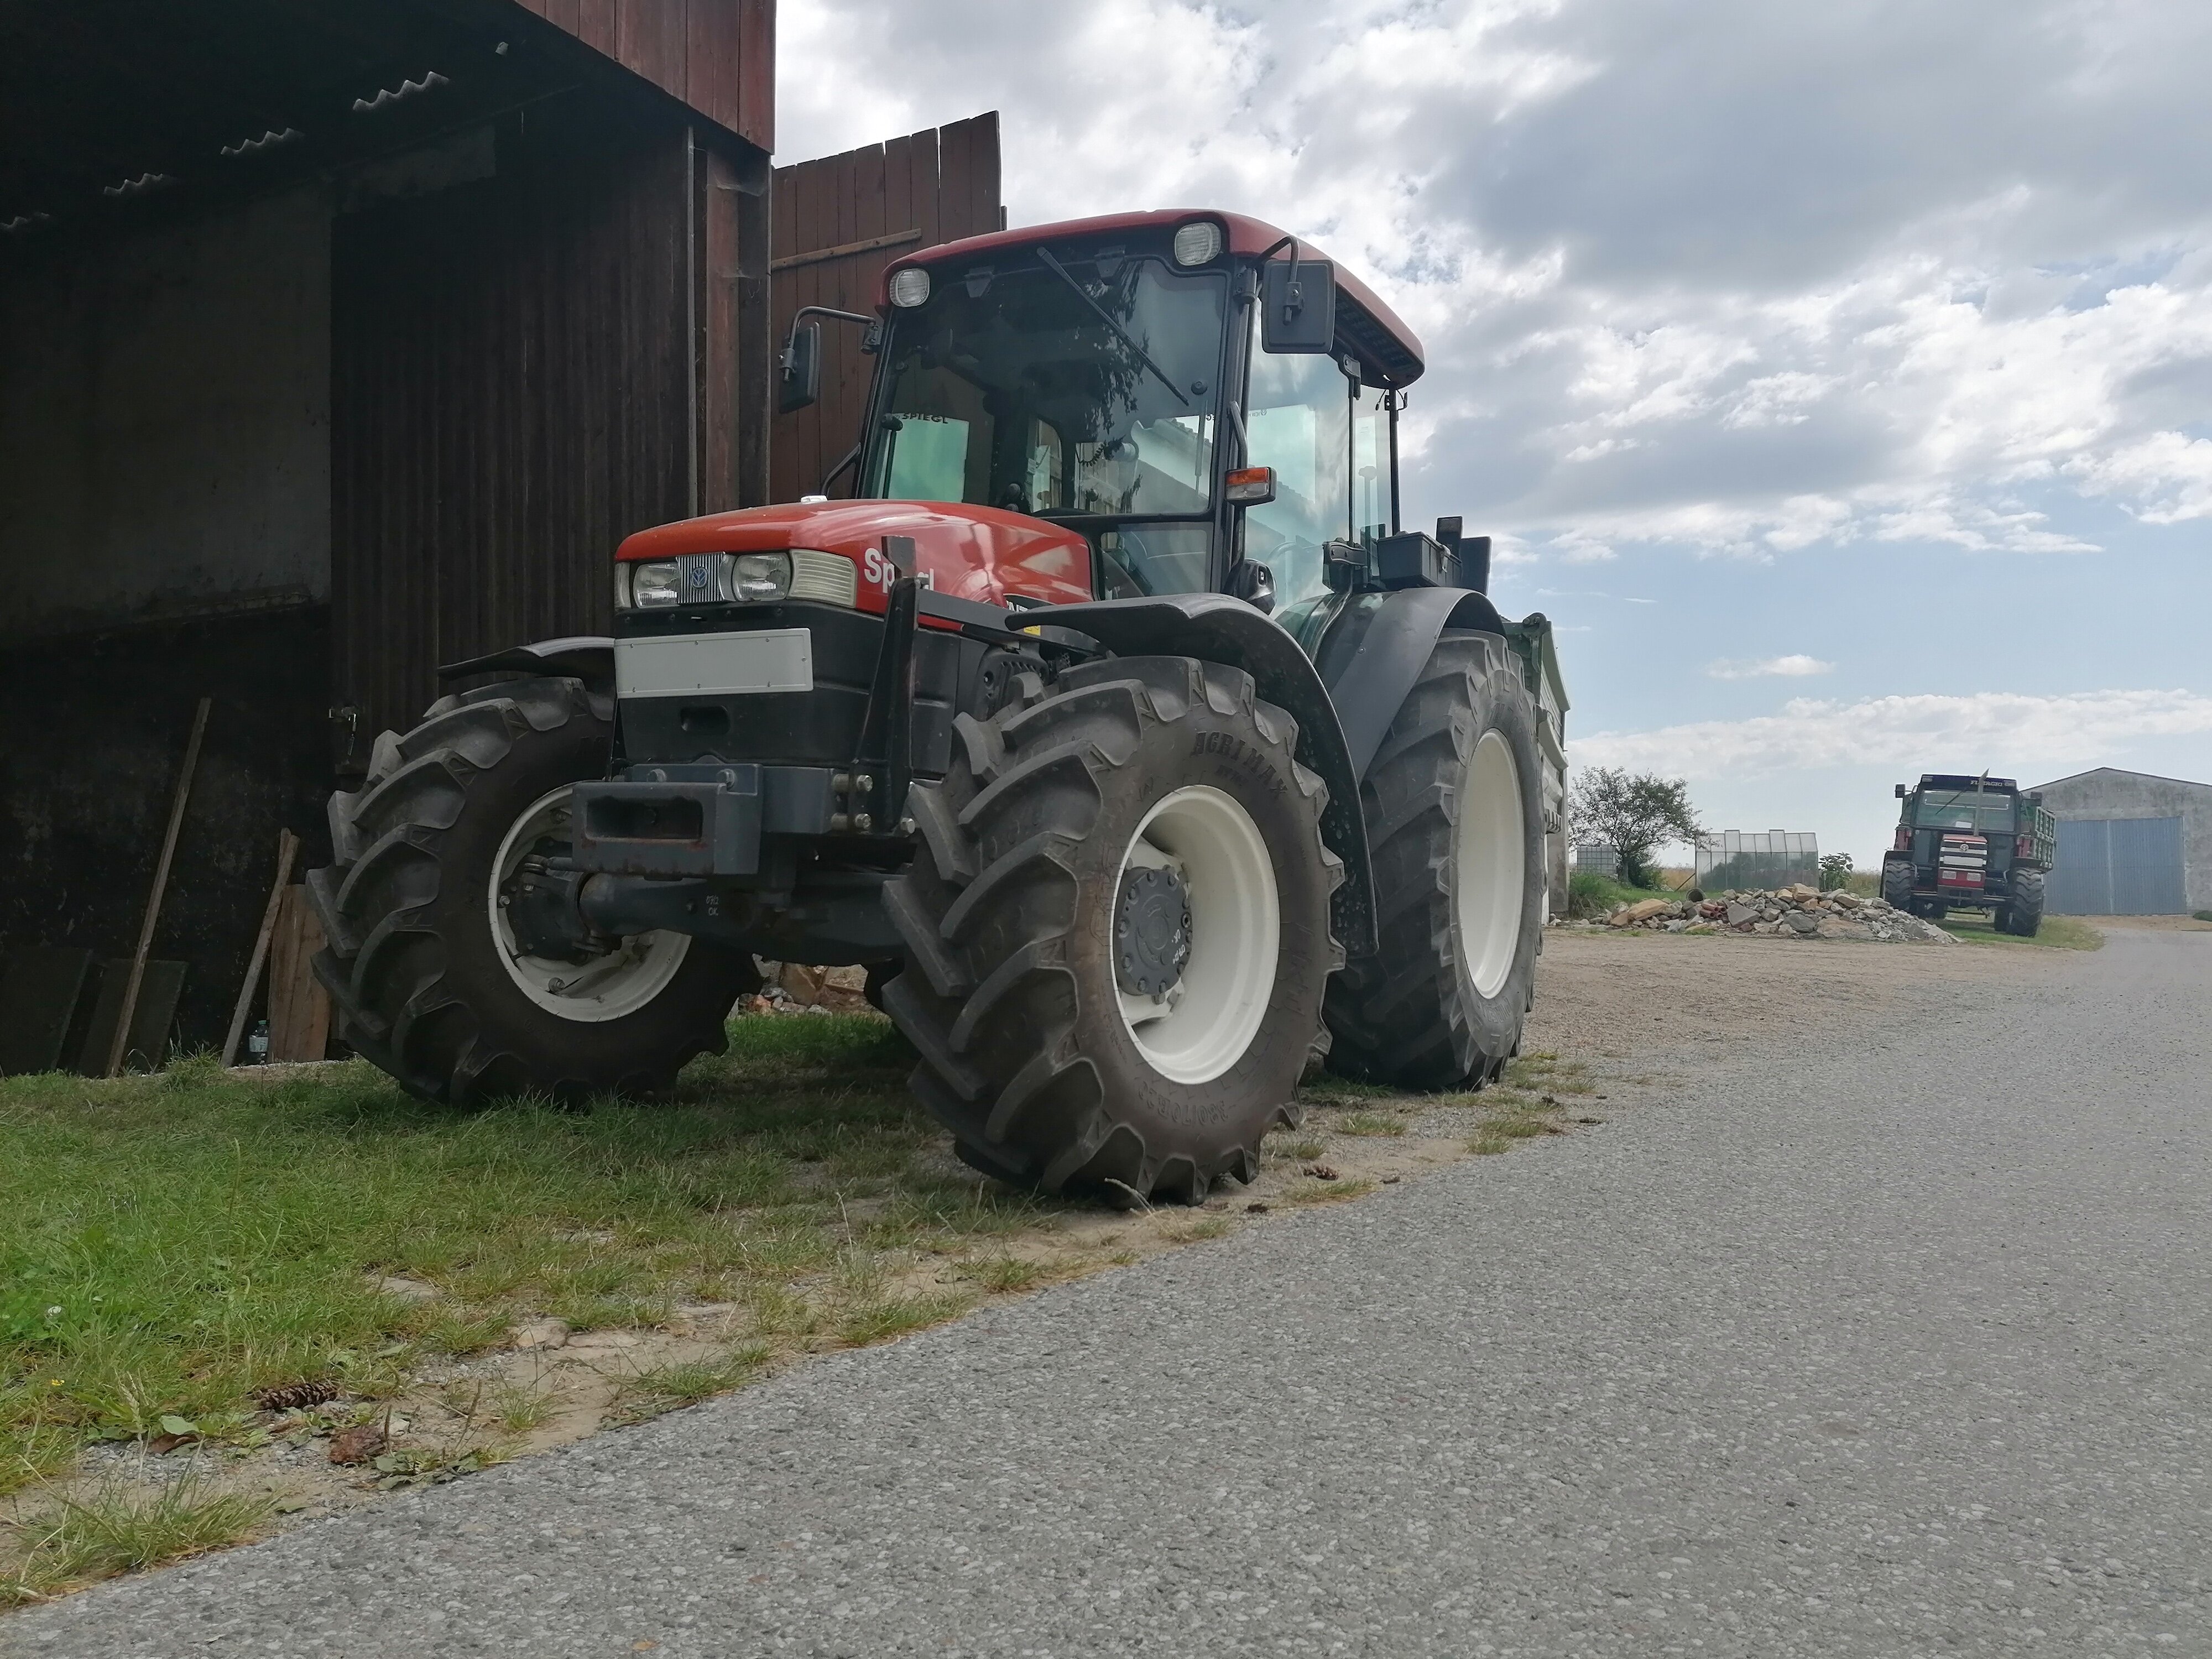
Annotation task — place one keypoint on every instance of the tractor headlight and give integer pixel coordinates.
(659, 582)
(910, 287)
(755, 578)
(1197, 243)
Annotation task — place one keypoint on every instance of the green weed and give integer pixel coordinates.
(121, 1529)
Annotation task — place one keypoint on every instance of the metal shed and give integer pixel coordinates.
(2129, 844)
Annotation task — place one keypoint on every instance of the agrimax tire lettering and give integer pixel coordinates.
(1245, 762)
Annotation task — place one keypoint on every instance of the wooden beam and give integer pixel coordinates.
(122, 1042)
(287, 848)
(845, 250)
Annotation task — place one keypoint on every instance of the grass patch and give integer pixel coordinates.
(119, 1529)
(1300, 1147)
(2057, 933)
(1591, 896)
(665, 1387)
(1004, 1274)
(881, 1320)
(175, 1242)
(1372, 1123)
(1327, 1088)
(1212, 1226)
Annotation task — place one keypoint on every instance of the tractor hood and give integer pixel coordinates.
(985, 554)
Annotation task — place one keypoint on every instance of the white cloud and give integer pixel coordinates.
(1768, 278)
(2006, 731)
(1795, 666)
(2168, 475)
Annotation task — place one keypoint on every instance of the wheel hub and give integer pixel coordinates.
(1152, 932)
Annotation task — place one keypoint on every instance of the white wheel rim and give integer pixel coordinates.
(607, 987)
(1203, 1023)
(1490, 863)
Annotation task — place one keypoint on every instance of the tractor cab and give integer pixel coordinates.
(1209, 405)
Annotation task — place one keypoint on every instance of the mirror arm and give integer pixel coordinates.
(803, 313)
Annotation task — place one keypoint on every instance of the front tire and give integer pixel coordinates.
(1117, 929)
(425, 971)
(2026, 911)
(1455, 822)
(1897, 883)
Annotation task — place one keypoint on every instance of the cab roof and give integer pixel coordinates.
(1364, 322)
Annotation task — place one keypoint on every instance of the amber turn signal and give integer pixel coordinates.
(1252, 486)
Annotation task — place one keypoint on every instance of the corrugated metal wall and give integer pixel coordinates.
(837, 223)
(2116, 868)
(524, 370)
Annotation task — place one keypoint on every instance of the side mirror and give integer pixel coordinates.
(1901, 792)
(802, 370)
(1254, 584)
(1297, 305)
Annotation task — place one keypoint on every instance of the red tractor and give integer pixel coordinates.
(1114, 723)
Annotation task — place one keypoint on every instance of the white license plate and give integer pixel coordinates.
(716, 665)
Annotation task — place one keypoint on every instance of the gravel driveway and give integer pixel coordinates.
(1855, 1342)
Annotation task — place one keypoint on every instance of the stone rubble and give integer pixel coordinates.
(1798, 912)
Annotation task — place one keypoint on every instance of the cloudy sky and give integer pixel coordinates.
(1838, 377)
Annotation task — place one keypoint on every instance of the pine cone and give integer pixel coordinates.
(296, 1397)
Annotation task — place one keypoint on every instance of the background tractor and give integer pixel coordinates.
(1115, 724)
(1974, 843)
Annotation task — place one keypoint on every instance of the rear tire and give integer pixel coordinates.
(419, 960)
(1455, 820)
(2026, 911)
(1040, 858)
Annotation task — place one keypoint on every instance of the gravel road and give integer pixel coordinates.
(1862, 1343)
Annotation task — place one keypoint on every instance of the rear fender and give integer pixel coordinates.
(1216, 629)
(1372, 656)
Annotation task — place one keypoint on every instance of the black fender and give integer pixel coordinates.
(1218, 629)
(1373, 655)
(587, 656)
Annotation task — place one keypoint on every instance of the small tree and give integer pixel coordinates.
(1633, 813)
(1835, 871)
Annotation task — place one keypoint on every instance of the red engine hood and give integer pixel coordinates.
(979, 553)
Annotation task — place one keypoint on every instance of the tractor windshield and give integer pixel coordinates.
(1957, 809)
(1088, 391)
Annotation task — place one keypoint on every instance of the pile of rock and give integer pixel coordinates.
(792, 988)
(1797, 912)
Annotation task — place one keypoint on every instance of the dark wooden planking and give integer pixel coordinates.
(756, 72)
(713, 48)
(596, 25)
(718, 56)
(943, 183)
(649, 40)
(513, 393)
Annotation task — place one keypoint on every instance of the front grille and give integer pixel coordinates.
(1962, 862)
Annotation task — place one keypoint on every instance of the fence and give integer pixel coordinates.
(1747, 860)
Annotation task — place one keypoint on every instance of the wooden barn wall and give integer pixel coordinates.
(524, 370)
(718, 56)
(879, 203)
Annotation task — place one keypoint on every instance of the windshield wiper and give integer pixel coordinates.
(1106, 317)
